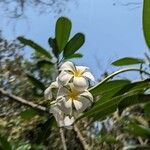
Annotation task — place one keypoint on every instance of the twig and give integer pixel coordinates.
(63, 138)
(24, 102)
(81, 138)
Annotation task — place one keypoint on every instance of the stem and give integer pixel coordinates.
(118, 72)
(63, 138)
(81, 138)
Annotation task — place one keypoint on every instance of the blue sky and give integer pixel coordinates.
(112, 31)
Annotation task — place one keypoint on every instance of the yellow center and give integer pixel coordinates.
(78, 73)
(73, 95)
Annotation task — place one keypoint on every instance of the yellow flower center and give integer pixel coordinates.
(78, 73)
(73, 94)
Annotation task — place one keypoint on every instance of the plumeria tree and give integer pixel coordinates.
(112, 113)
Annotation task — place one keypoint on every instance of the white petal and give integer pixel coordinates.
(54, 85)
(82, 68)
(87, 95)
(85, 104)
(88, 75)
(48, 93)
(64, 78)
(67, 66)
(68, 104)
(68, 121)
(77, 104)
(61, 103)
(58, 115)
(63, 91)
(80, 83)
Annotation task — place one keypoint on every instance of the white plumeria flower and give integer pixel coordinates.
(71, 100)
(48, 93)
(61, 118)
(79, 75)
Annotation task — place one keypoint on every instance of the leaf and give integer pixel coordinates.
(4, 144)
(53, 44)
(36, 82)
(43, 62)
(35, 46)
(107, 105)
(127, 61)
(147, 109)
(132, 100)
(45, 130)
(138, 130)
(62, 32)
(110, 87)
(74, 44)
(28, 114)
(146, 21)
(76, 55)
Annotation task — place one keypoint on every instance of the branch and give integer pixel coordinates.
(81, 138)
(24, 102)
(63, 138)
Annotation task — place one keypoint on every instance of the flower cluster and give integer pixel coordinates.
(68, 94)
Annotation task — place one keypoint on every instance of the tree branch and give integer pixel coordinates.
(63, 138)
(24, 102)
(81, 138)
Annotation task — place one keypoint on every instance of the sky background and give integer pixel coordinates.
(112, 31)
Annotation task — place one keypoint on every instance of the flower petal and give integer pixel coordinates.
(87, 95)
(80, 83)
(68, 121)
(88, 75)
(64, 78)
(48, 93)
(67, 66)
(77, 104)
(63, 91)
(82, 68)
(85, 104)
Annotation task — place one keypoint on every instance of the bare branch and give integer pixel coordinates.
(63, 138)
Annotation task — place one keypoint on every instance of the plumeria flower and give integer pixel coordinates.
(71, 100)
(79, 75)
(61, 118)
(49, 92)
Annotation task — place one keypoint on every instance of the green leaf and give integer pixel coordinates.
(147, 109)
(62, 32)
(36, 82)
(132, 100)
(146, 21)
(109, 88)
(53, 44)
(138, 130)
(45, 130)
(43, 62)
(35, 46)
(127, 61)
(76, 55)
(4, 144)
(28, 114)
(74, 44)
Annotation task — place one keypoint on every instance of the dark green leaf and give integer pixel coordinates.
(146, 21)
(138, 130)
(133, 100)
(36, 82)
(4, 144)
(62, 32)
(74, 44)
(76, 55)
(45, 130)
(127, 61)
(147, 109)
(35, 46)
(109, 88)
(43, 62)
(28, 114)
(53, 44)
